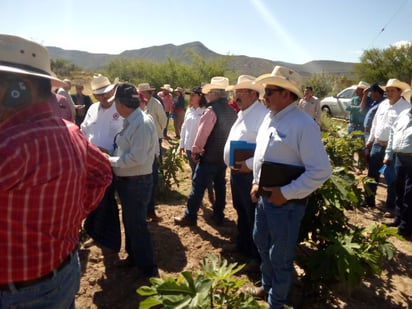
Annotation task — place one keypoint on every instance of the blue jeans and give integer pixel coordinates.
(403, 183)
(206, 173)
(377, 155)
(103, 224)
(275, 234)
(193, 165)
(134, 195)
(56, 292)
(241, 185)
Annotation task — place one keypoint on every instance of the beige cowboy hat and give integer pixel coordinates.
(166, 87)
(283, 77)
(21, 56)
(180, 89)
(144, 87)
(246, 82)
(407, 95)
(362, 85)
(217, 82)
(393, 82)
(101, 84)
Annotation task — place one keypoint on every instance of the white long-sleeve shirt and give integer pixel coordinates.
(292, 137)
(384, 119)
(245, 129)
(189, 127)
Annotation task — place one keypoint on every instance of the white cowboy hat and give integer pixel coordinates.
(21, 56)
(167, 87)
(144, 87)
(282, 77)
(362, 85)
(101, 84)
(246, 82)
(393, 82)
(407, 95)
(217, 82)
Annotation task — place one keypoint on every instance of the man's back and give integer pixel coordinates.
(50, 179)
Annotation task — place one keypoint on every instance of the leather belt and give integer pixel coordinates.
(236, 172)
(403, 154)
(381, 143)
(8, 287)
(129, 178)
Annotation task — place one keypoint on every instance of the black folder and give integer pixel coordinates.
(277, 175)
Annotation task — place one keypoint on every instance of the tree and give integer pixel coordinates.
(379, 65)
(63, 67)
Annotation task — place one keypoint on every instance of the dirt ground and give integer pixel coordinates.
(176, 249)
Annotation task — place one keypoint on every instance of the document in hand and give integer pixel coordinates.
(277, 175)
(240, 151)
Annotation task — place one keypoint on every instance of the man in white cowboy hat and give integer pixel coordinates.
(50, 178)
(356, 113)
(245, 128)
(385, 117)
(207, 151)
(65, 91)
(100, 126)
(166, 95)
(399, 153)
(290, 138)
(154, 108)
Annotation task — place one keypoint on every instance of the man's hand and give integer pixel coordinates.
(241, 167)
(276, 196)
(195, 157)
(253, 193)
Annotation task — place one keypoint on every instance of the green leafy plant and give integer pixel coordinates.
(214, 286)
(171, 164)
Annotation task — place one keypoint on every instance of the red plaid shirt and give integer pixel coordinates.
(50, 179)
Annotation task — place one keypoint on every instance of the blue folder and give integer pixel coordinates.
(238, 149)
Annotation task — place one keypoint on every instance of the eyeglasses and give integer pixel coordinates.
(270, 91)
(242, 91)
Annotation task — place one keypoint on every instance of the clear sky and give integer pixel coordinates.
(296, 31)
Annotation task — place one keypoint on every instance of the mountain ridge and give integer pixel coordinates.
(241, 64)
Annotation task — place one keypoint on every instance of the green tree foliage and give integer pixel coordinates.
(379, 65)
(327, 84)
(172, 72)
(64, 68)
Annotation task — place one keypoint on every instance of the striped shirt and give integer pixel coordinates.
(50, 179)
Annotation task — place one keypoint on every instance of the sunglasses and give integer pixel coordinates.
(270, 91)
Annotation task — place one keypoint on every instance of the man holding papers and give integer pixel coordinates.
(290, 137)
(238, 155)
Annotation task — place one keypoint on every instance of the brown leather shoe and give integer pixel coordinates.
(183, 221)
(258, 293)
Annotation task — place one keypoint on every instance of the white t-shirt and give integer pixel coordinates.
(100, 125)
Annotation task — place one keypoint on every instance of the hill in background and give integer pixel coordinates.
(239, 64)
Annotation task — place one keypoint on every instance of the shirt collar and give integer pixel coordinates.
(31, 113)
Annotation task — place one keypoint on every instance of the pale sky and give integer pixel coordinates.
(295, 31)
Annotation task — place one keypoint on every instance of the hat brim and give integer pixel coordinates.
(401, 85)
(268, 79)
(206, 88)
(104, 89)
(247, 85)
(54, 80)
(407, 94)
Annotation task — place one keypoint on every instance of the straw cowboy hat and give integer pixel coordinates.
(144, 87)
(167, 87)
(217, 82)
(101, 84)
(21, 56)
(362, 85)
(246, 82)
(282, 77)
(180, 89)
(393, 82)
(407, 95)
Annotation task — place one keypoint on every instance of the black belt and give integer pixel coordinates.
(8, 287)
(403, 154)
(129, 178)
(302, 201)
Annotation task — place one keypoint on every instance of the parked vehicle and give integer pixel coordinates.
(335, 106)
